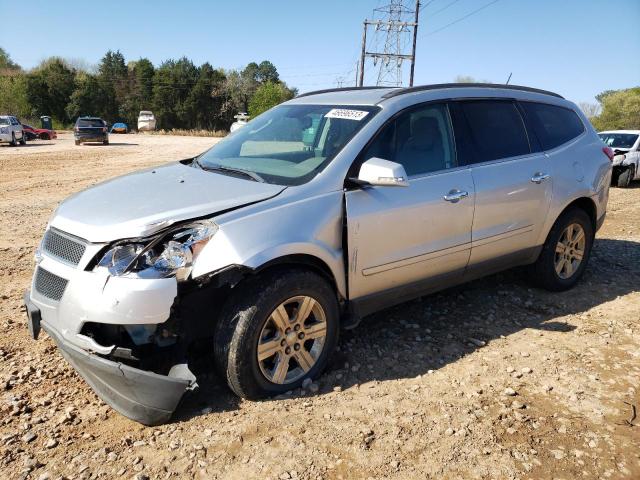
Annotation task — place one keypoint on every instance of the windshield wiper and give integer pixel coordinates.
(219, 168)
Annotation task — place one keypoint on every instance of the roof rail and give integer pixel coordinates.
(342, 89)
(438, 86)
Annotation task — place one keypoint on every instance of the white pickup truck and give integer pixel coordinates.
(11, 131)
(626, 163)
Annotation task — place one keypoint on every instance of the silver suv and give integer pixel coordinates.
(315, 214)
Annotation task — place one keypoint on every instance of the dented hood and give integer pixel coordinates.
(144, 202)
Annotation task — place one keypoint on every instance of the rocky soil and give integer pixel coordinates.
(494, 379)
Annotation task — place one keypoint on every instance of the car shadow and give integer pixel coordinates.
(430, 332)
(111, 144)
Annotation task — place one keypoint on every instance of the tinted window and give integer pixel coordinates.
(497, 129)
(419, 139)
(552, 125)
(90, 122)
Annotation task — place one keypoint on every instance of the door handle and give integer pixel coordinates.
(539, 177)
(455, 195)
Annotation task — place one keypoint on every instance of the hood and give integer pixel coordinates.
(144, 202)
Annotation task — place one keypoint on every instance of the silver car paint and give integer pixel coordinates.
(144, 202)
(307, 219)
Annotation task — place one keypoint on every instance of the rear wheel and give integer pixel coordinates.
(624, 178)
(276, 331)
(565, 253)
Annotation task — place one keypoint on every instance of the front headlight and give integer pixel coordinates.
(169, 254)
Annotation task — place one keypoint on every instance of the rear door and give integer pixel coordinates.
(512, 180)
(400, 236)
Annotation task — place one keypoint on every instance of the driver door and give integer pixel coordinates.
(404, 240)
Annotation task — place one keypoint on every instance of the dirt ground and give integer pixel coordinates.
(493, 379)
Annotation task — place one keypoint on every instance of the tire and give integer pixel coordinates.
(77, 142)
(625, 177)
(13, 142)
(544, 272)
(23, 140)
(249, 318)
(105, 142)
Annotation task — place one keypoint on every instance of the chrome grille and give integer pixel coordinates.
(63, 247)
(49, 285)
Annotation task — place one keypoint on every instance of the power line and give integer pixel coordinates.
(428, 34)
(444, 8)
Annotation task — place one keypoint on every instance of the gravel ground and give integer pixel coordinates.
(493, 379)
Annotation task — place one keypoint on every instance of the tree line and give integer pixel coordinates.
(181, 94)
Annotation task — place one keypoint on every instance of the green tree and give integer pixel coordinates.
(268, 95)
(49, 87)
(172, 84)
(203, 105)
(89, 97)
(620, 110)
(113, 79)
(13, 95)
(6, 63)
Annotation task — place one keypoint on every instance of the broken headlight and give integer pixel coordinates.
(169, 254)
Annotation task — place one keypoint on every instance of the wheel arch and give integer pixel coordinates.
(588, 205)
(305, 261)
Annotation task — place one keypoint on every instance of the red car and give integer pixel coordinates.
(41, 133)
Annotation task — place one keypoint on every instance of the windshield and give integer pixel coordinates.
(289, 144)
(4, 121)
(619, 140)
(90, 122)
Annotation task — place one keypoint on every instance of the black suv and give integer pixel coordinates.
(90, 129)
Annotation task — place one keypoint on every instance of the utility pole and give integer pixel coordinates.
(415, 40)
(395, 26)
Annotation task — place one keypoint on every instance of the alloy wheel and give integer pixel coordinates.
(570, 251)
(292, 340)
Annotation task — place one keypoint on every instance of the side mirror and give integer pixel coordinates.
(383, 173)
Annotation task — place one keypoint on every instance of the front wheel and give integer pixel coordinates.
(23, 140)
(276, 331)
(13, 142)
(565, 253)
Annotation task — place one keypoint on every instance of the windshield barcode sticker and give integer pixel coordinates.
(346, 114)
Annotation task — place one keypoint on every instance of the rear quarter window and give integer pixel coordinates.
(553, 125)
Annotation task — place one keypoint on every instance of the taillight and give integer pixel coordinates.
(608, 151)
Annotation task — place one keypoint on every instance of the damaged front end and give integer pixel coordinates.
(127, 316)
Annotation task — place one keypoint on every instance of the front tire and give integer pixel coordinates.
(13, 142)
(23, 140)
(624, 178)
(275, 331)
(565, 253)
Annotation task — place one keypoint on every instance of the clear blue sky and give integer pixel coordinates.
(575, 47)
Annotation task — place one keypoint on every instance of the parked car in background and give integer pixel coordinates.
(39, 133)
(119, 127)
(11, 131)
(90, 129)
(29, 132)
(146, 121)
(626, 147)
(241, 120)
(319, 212)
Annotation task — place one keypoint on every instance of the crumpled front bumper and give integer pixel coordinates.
(145, 397)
